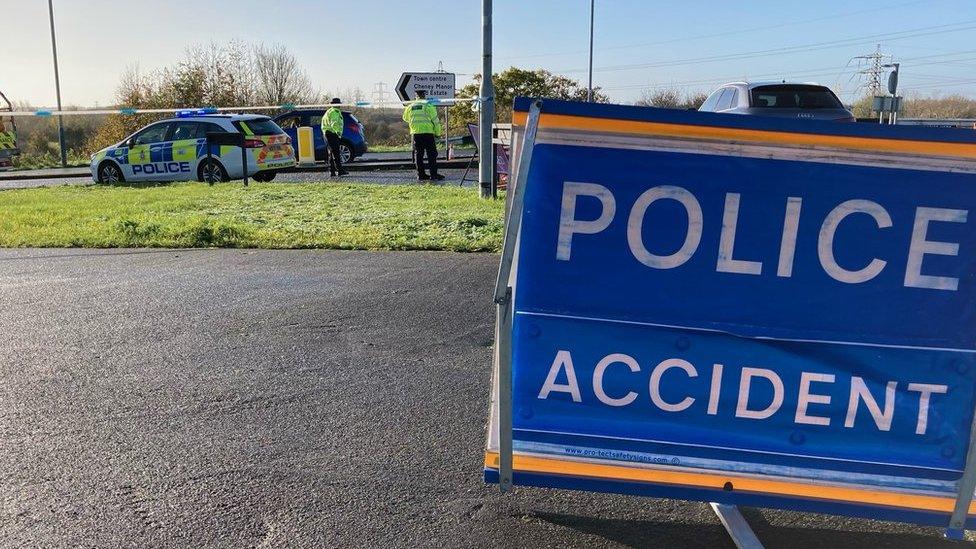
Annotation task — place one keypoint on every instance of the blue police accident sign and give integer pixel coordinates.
(745, 310)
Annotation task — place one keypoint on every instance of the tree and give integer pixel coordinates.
(950, 106)
(671, 98)
(916, 106)
(281, 80)
(667, 98)
(212, 75)
(515, 82)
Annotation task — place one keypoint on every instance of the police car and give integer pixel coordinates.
(176, 150)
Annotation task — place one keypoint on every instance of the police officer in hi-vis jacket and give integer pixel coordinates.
(425, 127)
(332, 124)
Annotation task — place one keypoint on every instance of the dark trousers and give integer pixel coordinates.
(335, 158)
(425, 144)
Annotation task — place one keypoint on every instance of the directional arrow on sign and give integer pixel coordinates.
(438, 85)
(401, 88)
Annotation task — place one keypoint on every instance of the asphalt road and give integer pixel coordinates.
(386, 177)
(288, 398)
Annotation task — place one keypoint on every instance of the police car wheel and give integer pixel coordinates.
(212, 172)
(345, 153)
(110, 173)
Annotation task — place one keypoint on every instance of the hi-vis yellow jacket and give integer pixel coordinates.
(422, 117)
(332, 121)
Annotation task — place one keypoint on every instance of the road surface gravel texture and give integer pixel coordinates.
(228, 398)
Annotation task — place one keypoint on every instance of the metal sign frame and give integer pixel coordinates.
(503, 299)
(504, 291)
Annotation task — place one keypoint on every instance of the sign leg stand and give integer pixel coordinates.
(504, 305)
(737, 527)
(964, 498)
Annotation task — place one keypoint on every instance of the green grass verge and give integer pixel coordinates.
(409, 148)
(389, 148)
(264, 215)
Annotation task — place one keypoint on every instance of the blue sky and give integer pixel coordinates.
(640, 44)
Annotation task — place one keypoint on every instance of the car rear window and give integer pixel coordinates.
(794, 97)
(259, 126)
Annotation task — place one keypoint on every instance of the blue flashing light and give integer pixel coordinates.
(186, 113)
(42, 113)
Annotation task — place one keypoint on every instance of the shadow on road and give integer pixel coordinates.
(647, 533)
(643, 533)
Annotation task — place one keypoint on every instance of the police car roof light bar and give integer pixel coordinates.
(187, 113)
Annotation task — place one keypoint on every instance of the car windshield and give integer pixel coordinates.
(260, 126)
(794, 97)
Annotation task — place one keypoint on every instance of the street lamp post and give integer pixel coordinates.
(486, 153)
(57, 86)
(589, 87)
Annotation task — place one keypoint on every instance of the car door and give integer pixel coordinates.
(290, 123)
(182, 146)
(142, 145)
(315, 122)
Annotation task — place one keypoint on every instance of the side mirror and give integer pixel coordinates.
(130, 142)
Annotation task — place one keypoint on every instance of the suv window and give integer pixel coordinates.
(258, 126)
(709, 104)
(316, 120)
(152, 134)
(791, 96)
(288, 122)
(725, 101)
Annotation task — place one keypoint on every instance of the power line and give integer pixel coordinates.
(946, 83)
(916, 61)
(909, 33)
(766, 27)
(715, 35)
(790, 73)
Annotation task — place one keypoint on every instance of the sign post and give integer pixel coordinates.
(772, 313)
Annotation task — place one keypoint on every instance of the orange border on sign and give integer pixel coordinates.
(634, 127)
(533, 464)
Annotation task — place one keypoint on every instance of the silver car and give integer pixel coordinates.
(779, 99)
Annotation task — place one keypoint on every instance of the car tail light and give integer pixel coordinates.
(253, 143)
(354, 128)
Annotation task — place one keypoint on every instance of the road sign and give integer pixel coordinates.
(886, 103)
(741, 310)
(439, 85)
